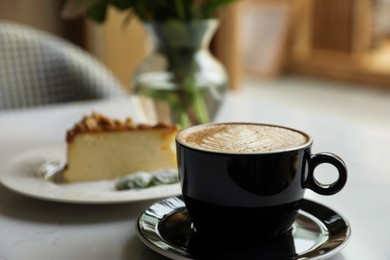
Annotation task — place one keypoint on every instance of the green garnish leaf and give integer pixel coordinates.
(165, 177)
(142, 180)
(136, 181)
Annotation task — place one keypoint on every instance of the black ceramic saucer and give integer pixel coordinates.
(318, 233)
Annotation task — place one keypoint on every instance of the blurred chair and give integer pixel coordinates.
(37, 68)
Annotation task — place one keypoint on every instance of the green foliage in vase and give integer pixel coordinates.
(183, 88)
(147, 10)
(187, 104)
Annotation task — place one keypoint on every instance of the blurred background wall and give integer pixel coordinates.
(341, 39)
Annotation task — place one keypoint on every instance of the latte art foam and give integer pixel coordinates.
(242, 138)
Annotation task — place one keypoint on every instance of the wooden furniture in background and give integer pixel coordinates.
(226, 44)
(332, 25)
(334, 38)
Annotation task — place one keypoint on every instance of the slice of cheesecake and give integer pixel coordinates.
(102, 148)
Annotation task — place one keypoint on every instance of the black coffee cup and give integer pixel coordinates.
(235, 190)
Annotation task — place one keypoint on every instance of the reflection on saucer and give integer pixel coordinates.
(177, 230)
(318, 233)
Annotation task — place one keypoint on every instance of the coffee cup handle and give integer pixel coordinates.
(326, 189)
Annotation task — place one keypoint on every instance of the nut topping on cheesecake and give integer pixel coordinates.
(97, 122)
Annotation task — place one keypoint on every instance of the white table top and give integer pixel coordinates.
(37, 229)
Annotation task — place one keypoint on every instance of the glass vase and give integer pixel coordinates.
(180, 74)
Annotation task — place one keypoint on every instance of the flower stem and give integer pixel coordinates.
(180, 9)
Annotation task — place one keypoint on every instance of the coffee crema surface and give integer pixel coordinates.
(242, 138)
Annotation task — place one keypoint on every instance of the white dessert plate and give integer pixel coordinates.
(20, 175)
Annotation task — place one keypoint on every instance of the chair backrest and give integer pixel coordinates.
(37, 68)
